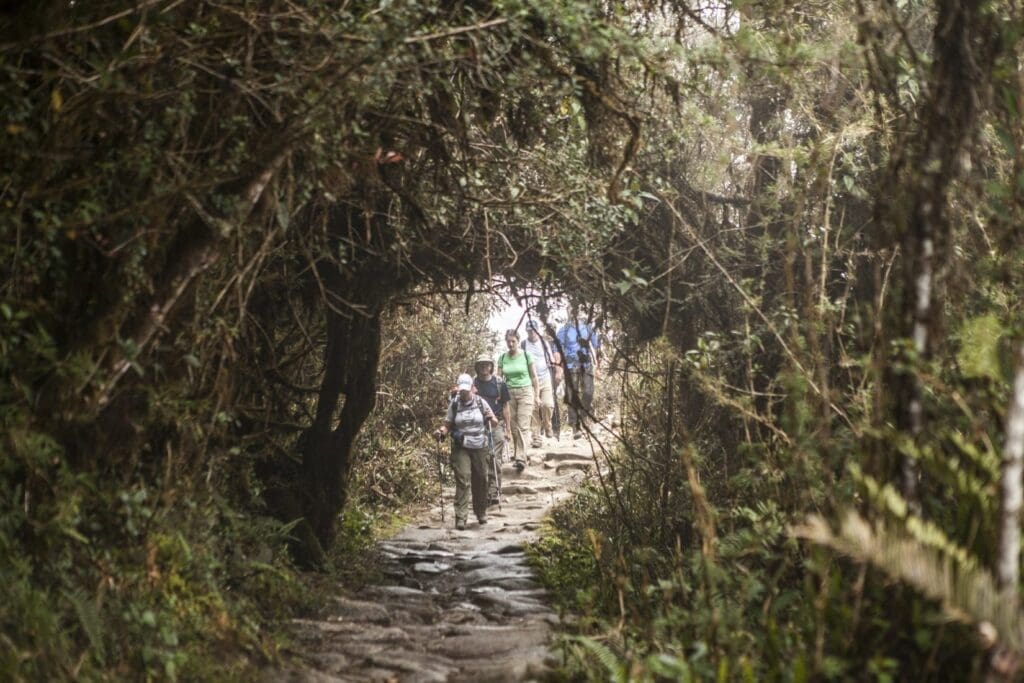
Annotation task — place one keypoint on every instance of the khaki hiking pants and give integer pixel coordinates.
(540, 421)
(470, 466)
(521, 407)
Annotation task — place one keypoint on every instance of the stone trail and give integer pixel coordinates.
(454, 605)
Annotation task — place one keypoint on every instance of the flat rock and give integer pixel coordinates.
(558, 456)
(427, 667)
(517, 583)
(518, 489)
(431, 567)
(484, 642)
(397, 591)
(358, 610)
(491, 575)
(492, 560)
(508, 549)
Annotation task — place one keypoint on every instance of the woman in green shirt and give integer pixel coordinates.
(516, 367)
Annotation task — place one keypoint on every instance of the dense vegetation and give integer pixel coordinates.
(231, 230)
(829, 255)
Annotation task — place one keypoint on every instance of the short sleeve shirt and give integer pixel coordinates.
(540, 363)
(573, 338)
(516, 369)
(495, 392)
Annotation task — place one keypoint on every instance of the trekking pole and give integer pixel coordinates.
(494, 463)
(440, 479)
(497, 479)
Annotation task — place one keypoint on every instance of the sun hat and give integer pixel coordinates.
(483, 359)
(465, 382)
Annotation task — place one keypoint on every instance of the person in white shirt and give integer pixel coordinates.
(535, 345)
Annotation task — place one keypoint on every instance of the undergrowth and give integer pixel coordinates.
(140, 590)
(682, 564)
(763, 609)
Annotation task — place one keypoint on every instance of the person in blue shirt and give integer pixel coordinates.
(580, 347)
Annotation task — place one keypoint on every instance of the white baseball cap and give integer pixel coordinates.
(465, 382)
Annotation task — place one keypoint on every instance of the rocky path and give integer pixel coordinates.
(454, 605)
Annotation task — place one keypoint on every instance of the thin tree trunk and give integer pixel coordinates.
(1002, 664)
(1011, 486)
(958, 91)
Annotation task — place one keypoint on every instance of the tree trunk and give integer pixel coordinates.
(950, 116)
(1003, 664)
(348, 388)
(351, 358)
(1011, 496)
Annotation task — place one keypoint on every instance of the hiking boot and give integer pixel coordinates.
(493, 501)
(519, 465)
(577, 434)
(482, 519)
(537, 444)
(460, 524)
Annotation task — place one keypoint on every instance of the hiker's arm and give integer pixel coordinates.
(536, 383)
(443, 430)
(506, 414)
(556, 363)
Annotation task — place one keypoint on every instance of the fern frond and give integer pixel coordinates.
(887, 499)
(972, 476)
(617, 670)
(89, 617)
(967, 592)
(987, 460)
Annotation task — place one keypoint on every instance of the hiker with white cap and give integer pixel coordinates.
(495, 392)
(468, 422)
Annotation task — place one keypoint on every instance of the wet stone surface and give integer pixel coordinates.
(452, 605)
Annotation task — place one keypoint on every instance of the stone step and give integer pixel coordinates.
(565, 455)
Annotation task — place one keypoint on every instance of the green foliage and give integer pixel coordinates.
(778, 361)
(210, 213)
(979, 355)
(90, 620)
(965, 591)
(197, 200)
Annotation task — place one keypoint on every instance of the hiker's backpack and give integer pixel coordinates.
(472, 439)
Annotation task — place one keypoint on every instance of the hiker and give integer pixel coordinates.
(580, 348)
(557, 381)
(540, 422)
(516, 367)
(495, 392)
(468, 421)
